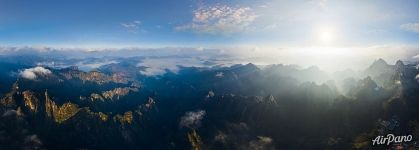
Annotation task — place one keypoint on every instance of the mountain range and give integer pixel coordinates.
(54, 104)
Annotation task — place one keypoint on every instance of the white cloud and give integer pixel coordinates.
(88, 66)
(219, 75)
(133, 26)
(220, 20)
(200, 48)
(413, 27)
(192, 119)
(260, 144)
(28, 75)
(159, 66)
(153, 71)
(32, 73)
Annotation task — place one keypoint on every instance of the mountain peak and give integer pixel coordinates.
(399, 63)
(250, 65)
(377, 67)
(379, 62)
(245, 68)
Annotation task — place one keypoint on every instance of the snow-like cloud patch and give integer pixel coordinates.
(160, 66)
(219, 74)
(192, 119)
(32, 73)
(261, 143)
(87, 66)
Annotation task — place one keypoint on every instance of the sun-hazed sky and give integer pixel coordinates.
(314, 29)
(209, 22)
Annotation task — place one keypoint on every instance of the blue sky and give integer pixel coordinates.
(209, 23)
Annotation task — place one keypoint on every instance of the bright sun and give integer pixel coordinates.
(326, 36)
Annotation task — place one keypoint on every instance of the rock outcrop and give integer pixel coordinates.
(195, 140)
(126, 118)
(94, 76)
(31, 101)
(9, 99)
(117, 92)
(59, 113)
(113, 94)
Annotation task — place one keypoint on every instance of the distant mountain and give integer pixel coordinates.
(379, 66)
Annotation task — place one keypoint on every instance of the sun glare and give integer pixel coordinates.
(326, 36)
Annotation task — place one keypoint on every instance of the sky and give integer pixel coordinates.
(315, 29)
(209, 22)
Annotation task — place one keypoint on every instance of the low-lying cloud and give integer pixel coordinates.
(158, 61)
(32, 73)
(192, 119)
(160, 66)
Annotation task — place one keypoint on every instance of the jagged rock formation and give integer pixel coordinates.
(270, 100)
(103, 116)
(195, 140)
(93, 76)
(365, 86)
(95, 97)
(381, 72)
(31, 101)
(59, 113)
(9, 99)
(127, 118)
(378, 67)
(150, 103)
(118, 92)
(114, 94)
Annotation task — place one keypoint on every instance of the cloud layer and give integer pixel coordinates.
(158, 61)
(32, 73)
(220, 20)
(160, 66)
(413, 27)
